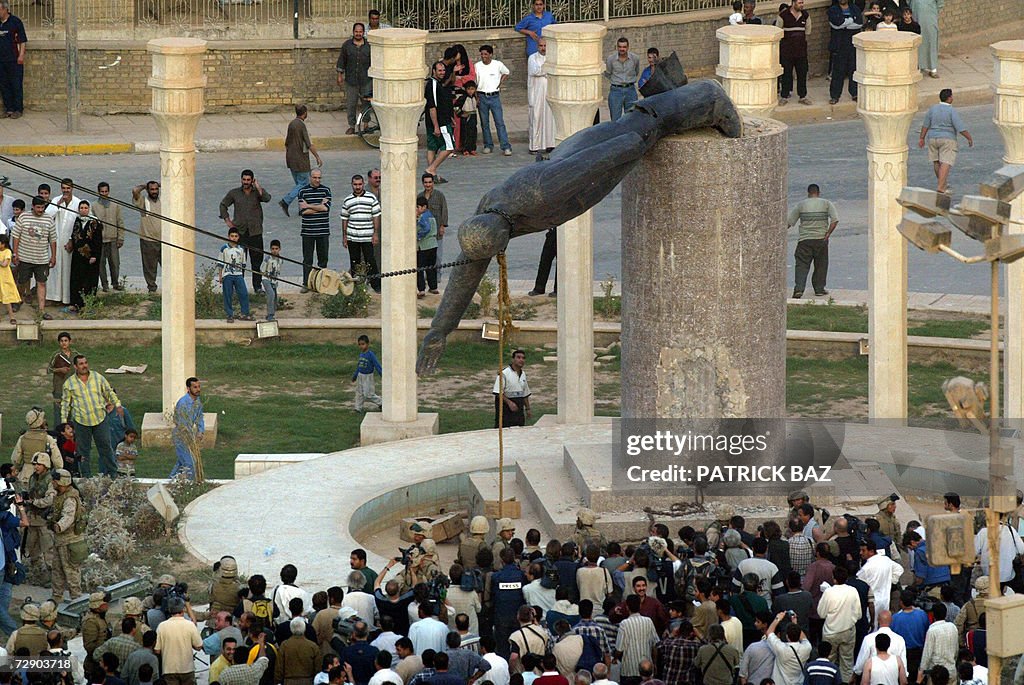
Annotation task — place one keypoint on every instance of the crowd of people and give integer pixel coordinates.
(815, 599)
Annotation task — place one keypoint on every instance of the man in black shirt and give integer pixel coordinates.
(439, 111)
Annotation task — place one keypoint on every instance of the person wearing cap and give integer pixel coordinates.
(422, 566)
(163, 583)
(60, 367)
(95, 631)
(38, 499)
(471, 545)
(505, 530)
(888, 525)
(224, 590)
(176, 640)
(34, 439)
(85, 402)
(48, 620)
(30, 635)
(132, 608)
(67, 521)
(586, 533)
(969, 617)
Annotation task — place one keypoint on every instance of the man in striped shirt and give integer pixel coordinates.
(818, 218)
(35, 249)
(360, 229)
(85, 401)
(315, 210)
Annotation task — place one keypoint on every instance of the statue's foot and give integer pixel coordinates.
(726, 117)
(430, 353)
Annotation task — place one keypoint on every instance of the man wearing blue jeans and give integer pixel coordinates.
(189, 427)
(232, 277)
(623, 69)
(297, 147)
(86, 399)
(490, 75)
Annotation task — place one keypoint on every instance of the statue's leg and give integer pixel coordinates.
(702, 104)
(462, 285)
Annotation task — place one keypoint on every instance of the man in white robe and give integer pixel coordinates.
(542, 122)
(65, 209)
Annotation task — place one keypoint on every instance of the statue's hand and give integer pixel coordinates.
(727, 119)
(430, 352)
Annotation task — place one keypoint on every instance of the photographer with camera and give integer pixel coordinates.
(420, 564)
(38, 499)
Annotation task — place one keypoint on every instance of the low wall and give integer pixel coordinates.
(264, 75)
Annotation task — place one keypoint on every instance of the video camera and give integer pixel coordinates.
(176, 591)
(7, 497)
(405, 557)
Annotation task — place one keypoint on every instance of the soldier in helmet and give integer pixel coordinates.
(224, 590)
(422, 565)
(505, 531)
(586, 534)
(48, 621)
(163, 583)
(132, 608)
(67, 521)
(34, 439)
(95, 631)
(471, 545)
(30, 634)
(421, 530)
(38, 500)
(821, 517)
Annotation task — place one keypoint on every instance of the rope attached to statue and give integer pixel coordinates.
(505, 329)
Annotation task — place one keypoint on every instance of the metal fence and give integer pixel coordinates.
(277, 19)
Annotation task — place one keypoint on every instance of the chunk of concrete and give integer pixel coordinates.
(972, 225)
(1005, 184)
(989, 208)
(1005, 248)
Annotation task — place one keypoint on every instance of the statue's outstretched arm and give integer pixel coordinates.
(462, 285)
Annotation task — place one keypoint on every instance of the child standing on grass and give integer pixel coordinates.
(127, 452)
(8, 288)
(363, 377)
(232, 277)
(272, 271)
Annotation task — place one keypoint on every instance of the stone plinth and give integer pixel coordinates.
(375, 429)
(748, 64)
(251, 464)
(156, 431)
(888, 75)
(575, 65)
(398, 59)
(178, 83)
(1009, 118)
(703, 269)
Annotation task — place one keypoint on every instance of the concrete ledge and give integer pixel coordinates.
(156, 432)
(374, 430)
(251, 464)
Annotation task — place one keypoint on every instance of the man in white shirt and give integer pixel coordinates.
(361, 602)
(601, 675)
(515, 395)
(791, 656)
(384, 674)
(897, 645)
(498, 673)
(490, 75)
(535, 593)
(1010, 546)
(428, 632)
(286, 591)
(65, 208)
(840, 607)
(880, 573)
(732, 626)
(941, 644)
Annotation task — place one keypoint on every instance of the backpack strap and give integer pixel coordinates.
(718, 653)
(803, 668)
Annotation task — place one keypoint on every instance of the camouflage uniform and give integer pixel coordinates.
(67, 519)
(586, 534)
(38, 538)
(471, 545)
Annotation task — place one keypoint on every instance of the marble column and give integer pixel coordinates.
(888, 75)
(397, 56)
(748, 64)
(1009, 118)
(178, 82)
(575, 89)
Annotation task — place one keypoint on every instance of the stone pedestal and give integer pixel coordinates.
(156, 430)
(703, 277)
(398, 68)
(178, 84)
(575, 66)
(1009, 118)
(748, 65)
(888, 75)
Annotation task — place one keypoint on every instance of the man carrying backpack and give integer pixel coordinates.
(702, 565)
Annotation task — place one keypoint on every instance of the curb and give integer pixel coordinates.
(793, 114)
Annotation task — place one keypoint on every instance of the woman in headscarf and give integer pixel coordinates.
(86, 247)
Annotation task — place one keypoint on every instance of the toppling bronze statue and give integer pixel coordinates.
(581, 171)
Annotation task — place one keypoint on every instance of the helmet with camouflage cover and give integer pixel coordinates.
(479, 525)
(586, 517)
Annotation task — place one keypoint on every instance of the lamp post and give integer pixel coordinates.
(985, 218)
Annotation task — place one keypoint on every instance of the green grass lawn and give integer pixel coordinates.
(278, 397)
(803, 317)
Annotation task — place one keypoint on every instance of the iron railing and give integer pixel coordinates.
(281, 19)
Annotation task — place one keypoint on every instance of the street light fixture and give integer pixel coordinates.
(984, 218)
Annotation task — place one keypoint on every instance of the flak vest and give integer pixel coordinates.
(794, 36)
